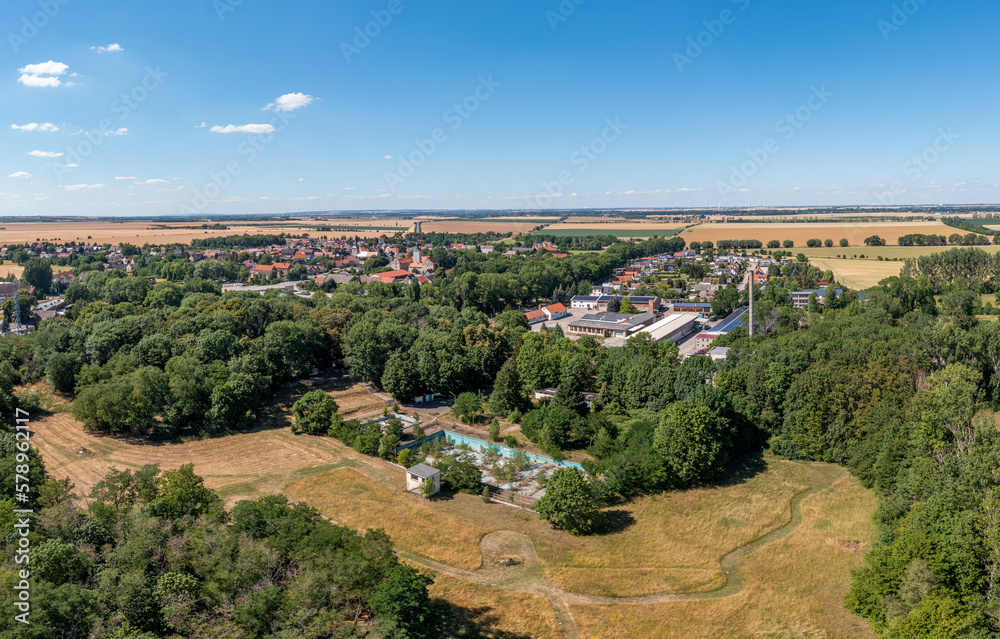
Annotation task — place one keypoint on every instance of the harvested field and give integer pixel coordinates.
(800, 233)
(642, 233)
(858, 274)
(10, 269)
(479, 226)
(152, 232)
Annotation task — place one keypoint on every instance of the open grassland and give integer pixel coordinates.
(499, 614)
(239, 466)
(800, 233)
(654, 546)
(792, 588)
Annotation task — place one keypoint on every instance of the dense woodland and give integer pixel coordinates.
(897, 385)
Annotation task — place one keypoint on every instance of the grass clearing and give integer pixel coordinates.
(793, 588)
(499, 614)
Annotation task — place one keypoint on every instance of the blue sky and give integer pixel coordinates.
(512, 104)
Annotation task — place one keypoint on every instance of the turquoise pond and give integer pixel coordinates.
(457, 439)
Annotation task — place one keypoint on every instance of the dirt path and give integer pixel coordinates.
(528, 575)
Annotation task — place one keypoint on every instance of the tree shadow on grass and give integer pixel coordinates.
(743, 469)
(472, 622)
(613, 521)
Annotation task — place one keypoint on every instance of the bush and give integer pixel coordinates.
(511, 441)
(405, 458)
(314, 413)
(569, 502)
(486, 494)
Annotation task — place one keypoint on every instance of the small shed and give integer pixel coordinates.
(416, 476)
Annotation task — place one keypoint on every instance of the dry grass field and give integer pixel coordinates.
(500, 614)
(792, 588)
(670, 543)
(238, 466)
(800, 233)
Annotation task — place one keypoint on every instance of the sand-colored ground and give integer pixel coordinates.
(152, 232)
(479, 226)
(800, 233)
(628, 225)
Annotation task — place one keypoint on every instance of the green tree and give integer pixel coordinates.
(38, 273)
(467, 407)
(314, 413)
(627, 306)
(695, 442)
(813, 304)
(62, 370)
(844, 243)
(506, 394)
(569, 502)
(180, 492)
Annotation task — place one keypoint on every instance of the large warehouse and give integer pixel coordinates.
(673, 327)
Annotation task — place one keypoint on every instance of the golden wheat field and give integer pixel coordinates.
(800, 233)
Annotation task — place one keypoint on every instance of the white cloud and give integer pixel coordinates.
(200, 126)
(290, 102)
(121, 131)
(44, 68)
(80, 187)
(243, 128)
(114, 47)
(72, 166)
(388, 157)
(301, 179)
(43, 74)
(45, 154)
(29, 80)
(151, 182)
(44, 127)
(131, 177)
(21, 174)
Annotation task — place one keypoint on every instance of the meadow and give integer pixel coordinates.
(666, 562)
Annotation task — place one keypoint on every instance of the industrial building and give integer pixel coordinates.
(673, 327)
(622, 325)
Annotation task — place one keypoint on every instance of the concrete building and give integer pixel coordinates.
(611, 324)
(693, 307)
(674, 327)
(417, 475)
(801, 298)
(600, 302)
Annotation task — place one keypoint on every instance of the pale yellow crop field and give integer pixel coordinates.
(800, 233)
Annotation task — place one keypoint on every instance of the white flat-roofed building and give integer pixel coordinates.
(673, 327)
